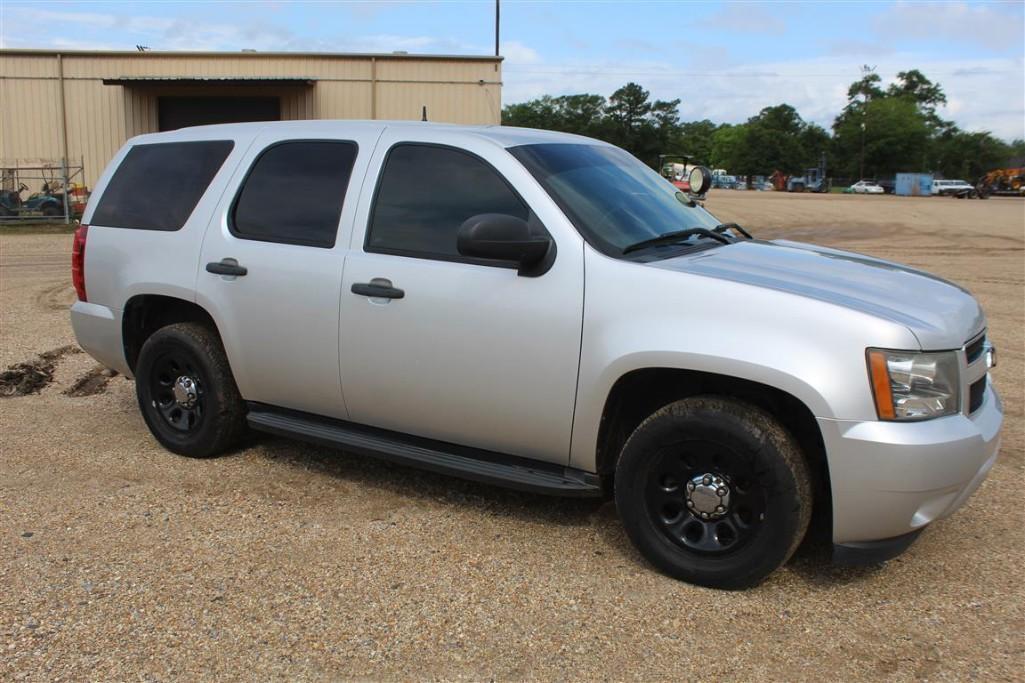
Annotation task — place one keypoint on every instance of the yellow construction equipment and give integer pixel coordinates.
(1009, 181)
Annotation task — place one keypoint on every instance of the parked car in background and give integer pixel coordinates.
(540, 311)
(865, 187)
(724, 182)
(760, 183)
(889, 186)
(949, 187)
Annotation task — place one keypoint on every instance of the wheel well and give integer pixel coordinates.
(640, 393)
(146, 313)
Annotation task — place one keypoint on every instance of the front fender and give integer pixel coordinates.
(638, 317)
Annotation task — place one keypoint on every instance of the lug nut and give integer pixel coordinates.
(707, 480)
(722, 491)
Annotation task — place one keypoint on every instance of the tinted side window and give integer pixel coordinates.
(427, 192)
(157, 186)
(294, 193)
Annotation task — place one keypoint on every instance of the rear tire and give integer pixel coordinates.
(187, 393)
(729, 460)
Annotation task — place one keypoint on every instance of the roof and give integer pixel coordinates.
(209, 80)
(249, 54)
(503, 136)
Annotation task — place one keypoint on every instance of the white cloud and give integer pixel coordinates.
(983, 94)
(518, 53)
(746, 18)
(998, 28)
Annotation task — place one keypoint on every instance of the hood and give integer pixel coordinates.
(939, 313)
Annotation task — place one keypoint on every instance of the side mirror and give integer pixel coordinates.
(500, 237)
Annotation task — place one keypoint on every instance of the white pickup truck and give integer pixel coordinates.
(541, 311)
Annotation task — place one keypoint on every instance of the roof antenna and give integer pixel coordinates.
(423, 115)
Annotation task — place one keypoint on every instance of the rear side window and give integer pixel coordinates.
(426, 193)
(157, 186)
(294, 193)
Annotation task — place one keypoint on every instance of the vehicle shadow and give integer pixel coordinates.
(811, 562)
(421, 486)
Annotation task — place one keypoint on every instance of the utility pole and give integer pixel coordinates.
(498, 16)
(865, 71)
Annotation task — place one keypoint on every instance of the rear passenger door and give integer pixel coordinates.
(284, 222)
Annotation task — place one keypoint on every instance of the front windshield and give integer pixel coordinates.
(612, 198)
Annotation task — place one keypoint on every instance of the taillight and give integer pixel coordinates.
(78, 261)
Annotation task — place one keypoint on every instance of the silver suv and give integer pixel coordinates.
(540, 311)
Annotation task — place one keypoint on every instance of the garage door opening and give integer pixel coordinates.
(179, 112)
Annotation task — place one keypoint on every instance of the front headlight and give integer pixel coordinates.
(908, 385)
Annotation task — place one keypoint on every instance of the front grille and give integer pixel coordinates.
(975, 394)
(975, 348)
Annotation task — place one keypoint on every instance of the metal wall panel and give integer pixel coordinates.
(101, 117)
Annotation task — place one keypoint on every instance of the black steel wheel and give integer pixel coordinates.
(714, 492)
(177, 387)
(187, 393)
(705, 497)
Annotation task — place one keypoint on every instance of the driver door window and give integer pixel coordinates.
(425, 194)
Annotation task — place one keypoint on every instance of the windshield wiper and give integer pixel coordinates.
(676, 236)
(723, 227)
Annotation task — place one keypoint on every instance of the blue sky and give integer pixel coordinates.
(723, 60)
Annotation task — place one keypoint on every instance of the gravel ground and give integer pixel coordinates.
(121, 561)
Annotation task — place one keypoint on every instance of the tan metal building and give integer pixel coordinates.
(83, 105)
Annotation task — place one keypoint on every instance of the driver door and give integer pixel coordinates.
(471, 353)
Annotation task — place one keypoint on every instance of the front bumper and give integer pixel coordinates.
(891, 479)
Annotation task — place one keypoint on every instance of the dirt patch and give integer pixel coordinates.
(22, 379)
(122, 561)
(57, 297)
(91, 383)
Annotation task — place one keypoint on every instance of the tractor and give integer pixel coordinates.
(1003, 181)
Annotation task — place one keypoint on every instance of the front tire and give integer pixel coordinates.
(714, 492)
(187, 393)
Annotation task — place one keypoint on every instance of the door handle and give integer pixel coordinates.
(378, 288)
(226, 266)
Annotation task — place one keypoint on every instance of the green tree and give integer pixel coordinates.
(914, 84)
(629, 107)
(728, 145)
(959, 154)
(892, 134)
(777, 138)
(815, 141)
(1015, 149)
(696, 139)
(538, 113)
(864, 89)
(582, 114)
(628, 119)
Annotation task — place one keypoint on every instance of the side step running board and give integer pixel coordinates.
(485, 466)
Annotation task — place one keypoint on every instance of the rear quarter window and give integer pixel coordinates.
(157, 186)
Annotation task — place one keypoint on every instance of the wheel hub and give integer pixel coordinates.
(708, 496)
(185, 391)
